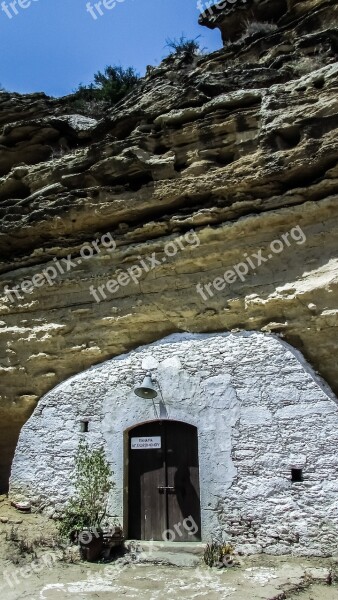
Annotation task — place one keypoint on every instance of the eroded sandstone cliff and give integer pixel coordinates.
(239, 146)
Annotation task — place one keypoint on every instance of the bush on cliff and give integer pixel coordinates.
(258, 27)
(183, 45)
(110, 86)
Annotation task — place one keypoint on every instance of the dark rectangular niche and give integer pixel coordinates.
(296, 475)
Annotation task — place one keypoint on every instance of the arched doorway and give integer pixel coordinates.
(163, 482)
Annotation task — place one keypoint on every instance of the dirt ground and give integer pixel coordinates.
(33, 568)
(272, 579)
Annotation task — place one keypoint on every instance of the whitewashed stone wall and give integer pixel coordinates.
(259, 409)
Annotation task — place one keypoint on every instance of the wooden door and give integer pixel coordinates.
(184, 518)
(163, 482)
(147, 507)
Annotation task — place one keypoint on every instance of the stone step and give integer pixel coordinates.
(179, 554)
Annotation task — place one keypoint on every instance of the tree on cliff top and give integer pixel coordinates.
(110, 86)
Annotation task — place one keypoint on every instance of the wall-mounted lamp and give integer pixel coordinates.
(146, 389)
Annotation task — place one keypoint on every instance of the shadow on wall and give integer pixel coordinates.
(8, 440)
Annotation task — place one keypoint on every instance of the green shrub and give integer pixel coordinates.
(110, 86)
(92, 483)
(218, 553)
(86, 93)
(183, 45)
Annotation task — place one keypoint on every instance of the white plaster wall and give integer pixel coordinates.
(259, 410)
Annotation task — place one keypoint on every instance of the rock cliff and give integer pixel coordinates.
(213, 161)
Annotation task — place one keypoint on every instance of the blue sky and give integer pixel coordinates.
(53, 45)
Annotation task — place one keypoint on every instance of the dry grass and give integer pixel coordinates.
(25, 535)
(308, 64)
(261, 27)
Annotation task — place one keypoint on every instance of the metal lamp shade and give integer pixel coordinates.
(146, 390)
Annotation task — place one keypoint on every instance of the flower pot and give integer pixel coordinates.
(112, 538)
(91, 544)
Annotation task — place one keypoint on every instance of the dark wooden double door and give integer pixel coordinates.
(163, 482)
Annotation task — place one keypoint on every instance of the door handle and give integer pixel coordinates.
(165, 488)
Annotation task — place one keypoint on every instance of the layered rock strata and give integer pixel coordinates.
(238, 147)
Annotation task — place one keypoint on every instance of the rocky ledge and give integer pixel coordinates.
(224, 159)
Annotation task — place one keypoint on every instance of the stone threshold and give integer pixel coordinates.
(179, 554)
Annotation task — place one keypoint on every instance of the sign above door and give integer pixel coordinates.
(146, 443)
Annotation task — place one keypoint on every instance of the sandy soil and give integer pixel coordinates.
(155, 582)
(32, 569)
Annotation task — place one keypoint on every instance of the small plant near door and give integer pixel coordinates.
(219, 554)
(85, 513)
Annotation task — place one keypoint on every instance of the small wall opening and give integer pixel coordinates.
(296, 475)
(84, 427)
